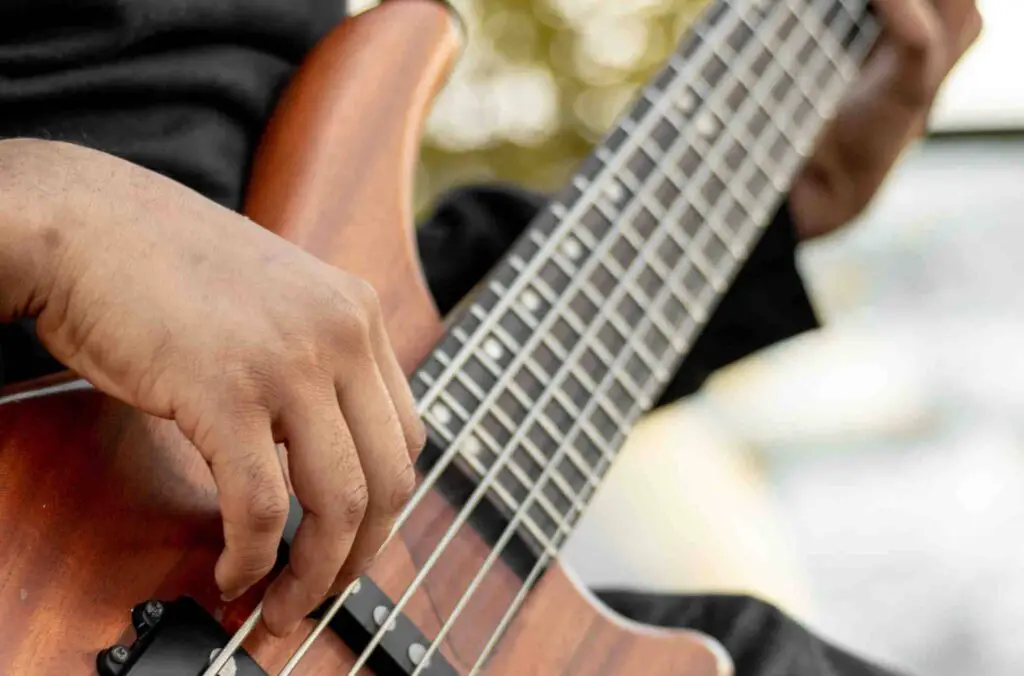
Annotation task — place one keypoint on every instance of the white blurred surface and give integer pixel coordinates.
(987, 90)
(890, 506)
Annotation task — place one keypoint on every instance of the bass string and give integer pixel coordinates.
(430, 480)
(563, 533)
(463, 517)
(482, 488)
(239, 637)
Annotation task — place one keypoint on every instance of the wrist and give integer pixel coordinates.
(31, 241)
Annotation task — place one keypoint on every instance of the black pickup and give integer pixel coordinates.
(177, 638)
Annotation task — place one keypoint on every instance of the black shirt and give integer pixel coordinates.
(185, 87)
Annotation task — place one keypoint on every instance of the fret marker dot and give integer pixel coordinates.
(572, 249)
(707, 124)
(493, 349)
(441, 414)
(531, 301)
(687, 102)
(614, 192)
(472, 447)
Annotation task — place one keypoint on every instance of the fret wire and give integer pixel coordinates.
(829, 44)
(499, 332)
(454, 406)
(528, 483)
(530, 365)
(622, 325)
(539, 457)
(494, 446)
(593, 475)
(517, 601)
(674, 231)
(702, 234)
(801, 85)
(443, 358)
(377, 638)
(547, 341)
(478, 312)
(791, 76)
(525, 317)
(581, 464)
(545, 290)
(628, 231)
(581, 326)
(590, 404)
(510, 424)
(636, 292)
(617, 160)
(682, 294)
(569, 491)
(512, 503)
(606, 356)
(540, 240)
(780, 52)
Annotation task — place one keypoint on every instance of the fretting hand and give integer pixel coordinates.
(190, 312)
(888, 107)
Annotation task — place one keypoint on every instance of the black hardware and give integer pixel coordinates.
(173, 639)
(403, 645)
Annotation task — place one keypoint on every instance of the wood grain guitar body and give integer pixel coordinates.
(102, 508)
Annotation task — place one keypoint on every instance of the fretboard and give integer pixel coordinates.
(578, 331)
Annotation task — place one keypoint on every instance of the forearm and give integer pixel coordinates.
(30, 240)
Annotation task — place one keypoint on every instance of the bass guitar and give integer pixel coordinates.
(109, 527)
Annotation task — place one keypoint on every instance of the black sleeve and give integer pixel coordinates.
(471, 229)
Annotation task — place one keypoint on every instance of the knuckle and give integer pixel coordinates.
(361, 313)
(417, 437)
(359, 566)
(256, 563)
(366, 296)
(268, 508)
(303, 358)
(402, 488)
(353, 325)
(354, 504)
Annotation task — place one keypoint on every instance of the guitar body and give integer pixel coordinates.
(102, 508)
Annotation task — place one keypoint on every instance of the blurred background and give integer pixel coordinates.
(867, 477)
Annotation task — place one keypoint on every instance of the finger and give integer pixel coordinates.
(970, 31)
(328, 482)
(398, 389)
(253, 502)
(381, 445)
(913, 25)
(914, 31)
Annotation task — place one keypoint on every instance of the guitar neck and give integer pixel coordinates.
(578, 331)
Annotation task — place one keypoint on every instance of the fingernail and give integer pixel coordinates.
(228, 598)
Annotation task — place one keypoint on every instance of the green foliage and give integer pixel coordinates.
(540, 82)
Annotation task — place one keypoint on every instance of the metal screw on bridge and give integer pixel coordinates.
(230, 667)
(119, 654)
(152, 611)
